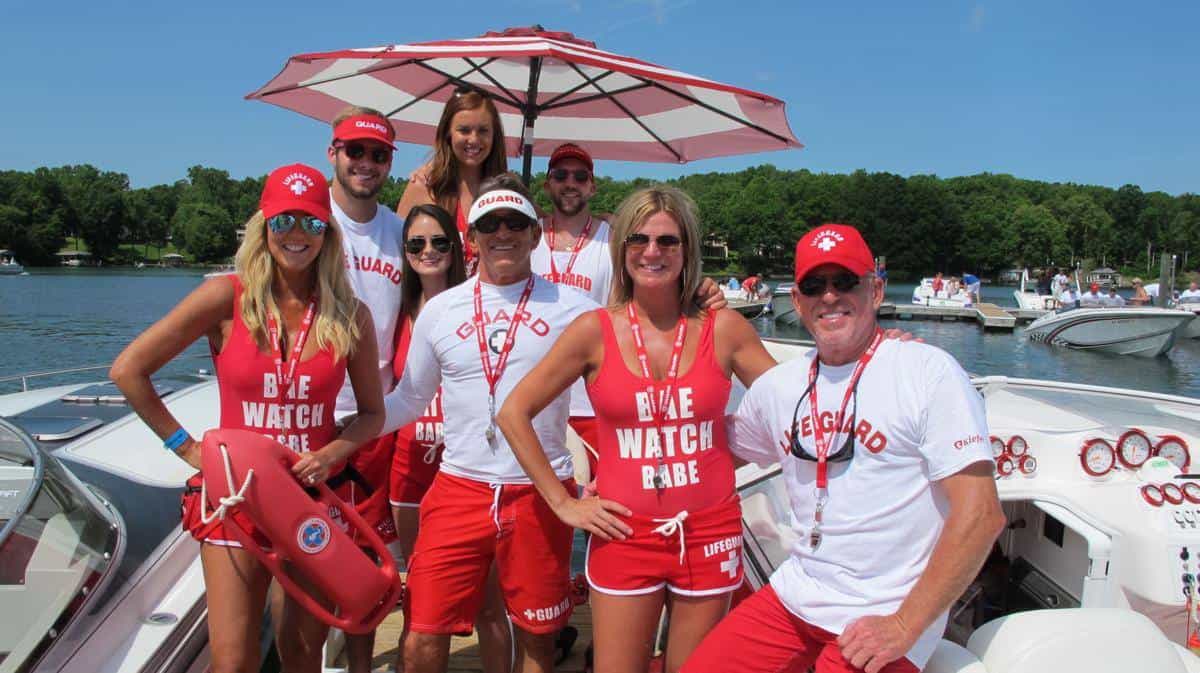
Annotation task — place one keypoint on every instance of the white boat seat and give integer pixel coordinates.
(950, 657)
(1096, 640)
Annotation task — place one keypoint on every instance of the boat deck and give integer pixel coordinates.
(464, 652)
(989, 316)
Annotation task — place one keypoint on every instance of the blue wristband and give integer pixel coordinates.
(176, 440)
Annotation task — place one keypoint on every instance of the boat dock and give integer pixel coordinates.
(749, 309)
(989, 316)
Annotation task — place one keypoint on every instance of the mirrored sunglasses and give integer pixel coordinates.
(664, 241)
(560, 174)
(489, 224)
(356, 151)
(815, 286)
(416, 244)
(283, 223)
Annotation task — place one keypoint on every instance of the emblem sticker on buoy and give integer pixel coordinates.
(313, 535)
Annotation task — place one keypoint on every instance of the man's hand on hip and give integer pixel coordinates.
(870, 643)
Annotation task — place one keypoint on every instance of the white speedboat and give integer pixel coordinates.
(924, 295)
(1028, 298)
(1192, 329)
(1125, 331)
(9, 265)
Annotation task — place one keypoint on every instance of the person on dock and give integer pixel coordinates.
(1092, 298)
(285, 330)
(971, 284)
(750, 287)
(1045, 283)
(476, 341)
(676, 467)
(869, 585)
(1112, 299)
(938, 284)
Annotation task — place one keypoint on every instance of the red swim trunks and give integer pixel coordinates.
(465, 526)
(711, 562)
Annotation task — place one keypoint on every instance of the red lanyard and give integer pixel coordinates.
(297, 347)
(658, 406)
(823, 441)
(587, 229)
(493, 374)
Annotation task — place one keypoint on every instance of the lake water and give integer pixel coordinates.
(63, 318)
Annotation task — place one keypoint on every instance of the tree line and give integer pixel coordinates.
(980, 223)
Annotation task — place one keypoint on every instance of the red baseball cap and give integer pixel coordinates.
(1094, 287)
(295, 187)
(571, 151)
(839, 244)
(366, 127)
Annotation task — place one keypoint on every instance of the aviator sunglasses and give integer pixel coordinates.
(845, 452)
(416, 244)
(664, 241)
(815, 286)
(491, 224)
(560, 174)
(283, 223)
(356, 151)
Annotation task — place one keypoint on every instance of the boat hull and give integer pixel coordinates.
(1140, 332)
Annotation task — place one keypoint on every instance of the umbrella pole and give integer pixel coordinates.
(531, 113)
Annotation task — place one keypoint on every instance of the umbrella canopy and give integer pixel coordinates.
(549, 87)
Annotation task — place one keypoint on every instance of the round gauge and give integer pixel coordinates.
(1191, 491)
(1172, 493)
(1097, 457)
(1133, 448)
(1017, 445)
(1027, 464)
(997, 446)
(1153, 495)
(1175, 450)
(1005, 466)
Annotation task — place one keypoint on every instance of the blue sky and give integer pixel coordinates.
(1090, 92)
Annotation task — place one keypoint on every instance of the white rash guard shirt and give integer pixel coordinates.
(444, 352)
(919, 420)
(374, 261)
(591, 274)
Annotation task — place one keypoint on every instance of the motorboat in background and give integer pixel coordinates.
(1145, 332)
(8, 264)
(1028, 298)
(924, 295)
(1192, 329)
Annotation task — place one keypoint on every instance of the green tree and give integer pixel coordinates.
(1040, 237)
(98, 199)
(205, 231)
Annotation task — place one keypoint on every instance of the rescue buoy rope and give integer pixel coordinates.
(228, 501)
(672, 525)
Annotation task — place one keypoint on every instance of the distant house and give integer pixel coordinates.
(171, 259)
(1104, 277)
(714, 248)
(1009, 277)
(75, 258)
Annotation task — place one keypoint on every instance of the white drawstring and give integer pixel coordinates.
(495, 509)
(228, 501)
(431, 453)
(672, 525)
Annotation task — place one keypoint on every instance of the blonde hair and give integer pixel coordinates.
(632, 214)
(335, 326)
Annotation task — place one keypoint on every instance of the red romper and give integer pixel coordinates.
(687, 526)
(418, 453)
(301, 418)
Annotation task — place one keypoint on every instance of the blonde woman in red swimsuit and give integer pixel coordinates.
(666, 527)
(285, 330)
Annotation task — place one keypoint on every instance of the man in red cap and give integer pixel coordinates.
(1092, 298)
(887, 545)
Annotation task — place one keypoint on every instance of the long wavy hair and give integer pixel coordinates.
(335, 326)
(410, 280)
(632, 214)
(443, 172)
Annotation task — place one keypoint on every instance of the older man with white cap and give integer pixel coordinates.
(476, 341)
(884, 450)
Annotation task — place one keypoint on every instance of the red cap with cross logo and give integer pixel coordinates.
(295, 187)
(839, 244)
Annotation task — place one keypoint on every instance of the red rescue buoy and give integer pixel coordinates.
(313, 545)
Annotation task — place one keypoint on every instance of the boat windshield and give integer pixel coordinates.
(56, 543)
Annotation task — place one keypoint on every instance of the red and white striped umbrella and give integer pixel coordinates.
(556, 87)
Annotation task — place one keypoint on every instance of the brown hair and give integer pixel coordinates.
(410, 281)
(354, 111)
(632, 214)
(443, 171)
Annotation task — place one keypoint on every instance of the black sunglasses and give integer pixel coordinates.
(664, 241)
(355, 151)
(815, 286)
(416, 244)
(560, 174)
(283, 223)
(845, 452)
(490, 224)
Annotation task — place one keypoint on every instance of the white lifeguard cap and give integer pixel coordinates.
(501, 199)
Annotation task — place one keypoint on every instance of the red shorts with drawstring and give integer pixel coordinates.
(777, 640)
(468, 524)
(414, 465)
(647, 561)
